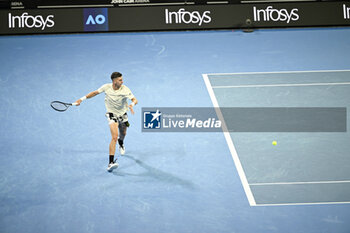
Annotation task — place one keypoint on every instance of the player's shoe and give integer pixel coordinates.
(122, 150)
(121, 147)
(112, 166)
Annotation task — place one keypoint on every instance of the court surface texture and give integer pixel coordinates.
(53, 174)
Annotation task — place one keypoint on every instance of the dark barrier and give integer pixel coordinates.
(196, 17)
(231, 16)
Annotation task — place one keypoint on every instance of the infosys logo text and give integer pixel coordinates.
(29, 21)
(346, 11)
(270, 14)
(187, 17)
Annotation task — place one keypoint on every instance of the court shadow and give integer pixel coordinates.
(154, 173)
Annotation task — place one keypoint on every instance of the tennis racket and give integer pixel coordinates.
(60, 106)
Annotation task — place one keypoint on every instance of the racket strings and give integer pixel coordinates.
(59, 106)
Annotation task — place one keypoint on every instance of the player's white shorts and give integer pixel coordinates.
(112, 118)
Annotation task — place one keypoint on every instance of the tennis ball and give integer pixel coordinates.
(274, 143)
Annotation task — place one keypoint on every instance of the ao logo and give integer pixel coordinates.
(95, 19)
(99, 19)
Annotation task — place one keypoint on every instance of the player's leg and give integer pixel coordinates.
(122, 133)
(114, 133)
(123, 125)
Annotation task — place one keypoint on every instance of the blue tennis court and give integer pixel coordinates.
(53, 174)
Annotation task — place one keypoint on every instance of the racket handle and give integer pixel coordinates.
(74, 104)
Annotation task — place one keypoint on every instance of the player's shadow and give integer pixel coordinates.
(153, 173)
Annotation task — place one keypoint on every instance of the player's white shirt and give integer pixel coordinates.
(116, 101)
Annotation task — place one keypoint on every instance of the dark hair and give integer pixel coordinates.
(115, 75)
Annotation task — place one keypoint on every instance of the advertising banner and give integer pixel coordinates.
(41, 21)
(192, 17)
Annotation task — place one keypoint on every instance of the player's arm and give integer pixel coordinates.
(88, 96)
(133, 103)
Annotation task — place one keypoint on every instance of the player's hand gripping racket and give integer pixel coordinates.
(60, 106)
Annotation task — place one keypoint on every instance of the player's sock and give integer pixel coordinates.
(111, 158)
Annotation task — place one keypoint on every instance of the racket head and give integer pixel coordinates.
(60, 106)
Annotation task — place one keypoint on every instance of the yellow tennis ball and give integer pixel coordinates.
(274, 143)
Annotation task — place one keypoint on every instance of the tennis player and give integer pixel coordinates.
(116, 101)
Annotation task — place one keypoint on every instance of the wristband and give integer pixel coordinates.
(132, 104)
(83, 98)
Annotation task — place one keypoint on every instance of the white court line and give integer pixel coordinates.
(306, 182)
(229, 141)
(280, 72)
(283, 85)
(306, 203)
